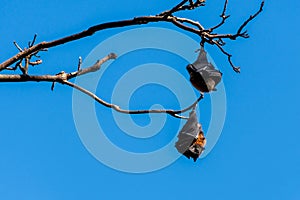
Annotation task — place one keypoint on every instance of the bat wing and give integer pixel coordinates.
(201, 72)
(188, 136)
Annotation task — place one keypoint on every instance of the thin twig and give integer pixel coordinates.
(223, 16)
(79, 63)
(53, 78)
(18, 47)
(174, 9)
(174, 113)
(194, 23)
(92, 68)
(239, 32)
(196, 4)
(181, 7)
(236, 69)
(33, 41)
(34, 63)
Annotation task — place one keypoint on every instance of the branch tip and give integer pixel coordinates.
(79, 63)
(17, 46)
(52, 86)
(112, 56)
(237, 69)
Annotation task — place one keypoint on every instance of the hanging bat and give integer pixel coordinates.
(203, 75)
(191, 140)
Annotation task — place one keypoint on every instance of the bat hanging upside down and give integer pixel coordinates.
(203, 75)
(191, 141)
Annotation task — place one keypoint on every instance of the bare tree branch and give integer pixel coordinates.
(30, 44)
(240, 32)
(90, 31)
(79, 63)
(194, 23)
(174, 9)
(60, 77)
(93, 68)
(165, 16)
(236, 69)
(63, 78)
(174, 113)
(23, 59)
(223, 16)
(18, 47)
(181, 7)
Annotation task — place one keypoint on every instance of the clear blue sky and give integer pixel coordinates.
(256, 157)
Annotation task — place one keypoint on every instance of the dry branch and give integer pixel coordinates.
(23, 59)
(166, 16)
(64, 78)
(174, 113)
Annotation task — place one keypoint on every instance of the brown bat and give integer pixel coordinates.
(191, 140)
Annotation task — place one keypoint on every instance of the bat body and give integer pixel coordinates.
(191, 140)
(203, 75)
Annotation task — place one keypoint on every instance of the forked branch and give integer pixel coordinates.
(64, 78)
(166, 16)
(174, 113)
(23, 60)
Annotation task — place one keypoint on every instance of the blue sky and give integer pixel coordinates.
(256, 156)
